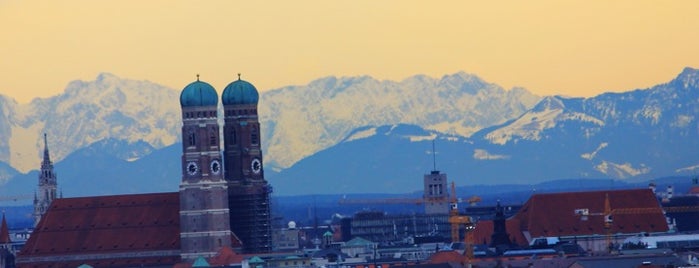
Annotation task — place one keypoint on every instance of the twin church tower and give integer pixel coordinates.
(223, 197)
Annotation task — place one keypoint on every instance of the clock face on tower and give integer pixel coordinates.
(256, 166)
(215, 167)
(192, 168)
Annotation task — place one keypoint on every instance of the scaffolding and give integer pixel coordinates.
(250, 216)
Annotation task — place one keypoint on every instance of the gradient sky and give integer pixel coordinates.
(574, 48)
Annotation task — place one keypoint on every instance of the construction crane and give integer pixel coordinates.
(457, 221)
(473, 200)
(388, 201)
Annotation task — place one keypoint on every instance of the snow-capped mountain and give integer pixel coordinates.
(87, 112)
(297, 121)
(363, 135)
(635, 135)
(307, 119)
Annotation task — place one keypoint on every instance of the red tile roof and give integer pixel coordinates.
(484, 230)
(553, 215)
(225, 257)
(446, 257)
(107, 229)
(4, 232)
(694, 190)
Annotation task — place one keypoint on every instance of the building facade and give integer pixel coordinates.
(204, 213)
(248, 191)
(436, 193)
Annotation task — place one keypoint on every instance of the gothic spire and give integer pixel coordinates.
(46, 150)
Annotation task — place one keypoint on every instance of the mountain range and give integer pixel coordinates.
(297, 120)
(635, 135)
(358, 134)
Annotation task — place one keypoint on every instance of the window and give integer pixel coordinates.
(212, 137)
(191, 138)
(254, 137)
(233, 136)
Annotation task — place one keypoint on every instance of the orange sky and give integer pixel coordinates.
(575, 48)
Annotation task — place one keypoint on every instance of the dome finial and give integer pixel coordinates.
(238, 76)
(197, 77)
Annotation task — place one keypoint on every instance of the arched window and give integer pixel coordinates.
(233, 136)
(191, 138)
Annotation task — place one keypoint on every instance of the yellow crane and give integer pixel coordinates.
(458, 220)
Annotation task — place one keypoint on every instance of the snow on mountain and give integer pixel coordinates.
(307, 119)
(89, 111)
(621, 171)
(297, 120)
(591, 155)
(633, 136)
(358, 134)
(530, 126)
(623, 135)
(480, 154)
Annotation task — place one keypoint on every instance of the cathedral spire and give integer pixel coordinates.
(46, 192)
(46, 150)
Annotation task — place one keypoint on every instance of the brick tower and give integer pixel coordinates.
(204, 214)
(248, 191)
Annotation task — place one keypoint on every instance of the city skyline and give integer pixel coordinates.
(549, 48)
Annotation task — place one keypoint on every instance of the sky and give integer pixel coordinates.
(571, 48)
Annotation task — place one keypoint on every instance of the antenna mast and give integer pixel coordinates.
(434, 158)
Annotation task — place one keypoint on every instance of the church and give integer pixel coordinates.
(223, 203)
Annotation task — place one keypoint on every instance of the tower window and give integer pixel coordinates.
(254, 137)
(191, 138)
(233, 136)
(212, 137)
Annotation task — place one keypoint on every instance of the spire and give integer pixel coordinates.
(46, 150)
(4, 231)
